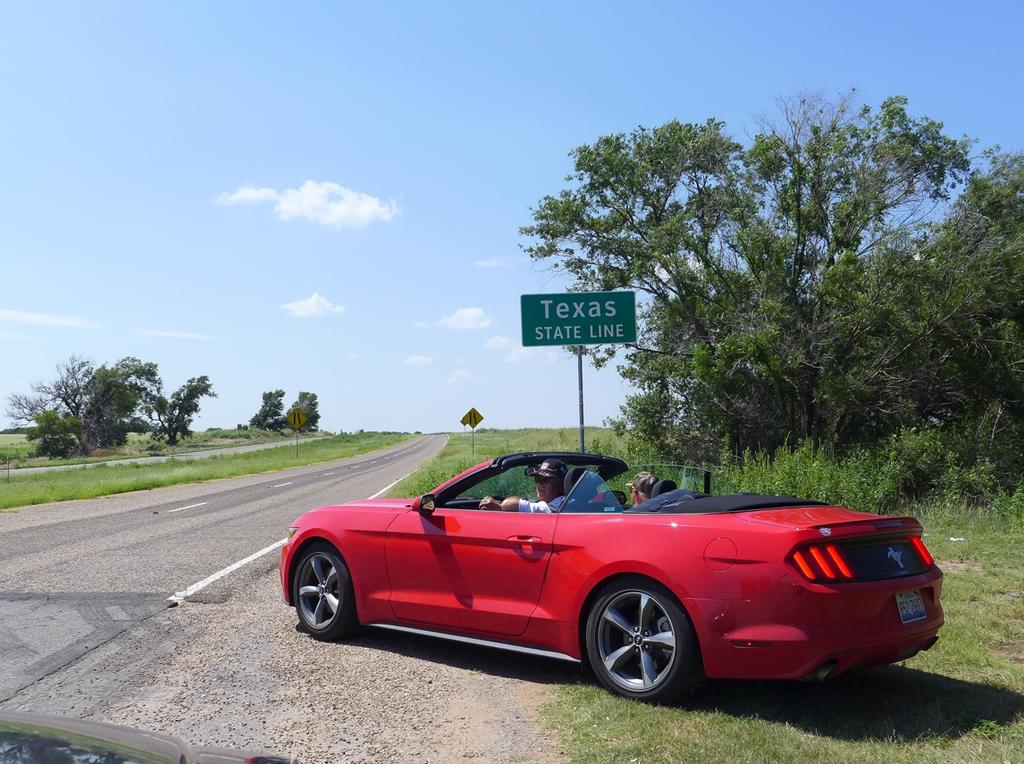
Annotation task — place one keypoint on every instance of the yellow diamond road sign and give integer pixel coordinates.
(297, 418)
(472, 418)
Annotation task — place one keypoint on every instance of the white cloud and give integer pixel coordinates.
(247, 195)
(330, 204)
(418, 360)
(493, 262)
(46, 319)
(14, 337)
(498, 343)
(466, 318)
(531, 355)
(518, 354)
(165, 335)
(314, 305)
(460, 377)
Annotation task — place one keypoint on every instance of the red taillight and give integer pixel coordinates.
(926, 556)
(822, 562)
(837, 558)
(801, 563)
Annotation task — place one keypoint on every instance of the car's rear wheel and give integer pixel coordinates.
(322, 593)
(640, 642)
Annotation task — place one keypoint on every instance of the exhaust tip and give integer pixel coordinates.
(823, 671)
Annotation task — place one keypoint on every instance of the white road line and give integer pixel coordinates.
(190, 506)
(391, 485)
(326, 474)
(199, 585)
(282, 485)
(181, 596)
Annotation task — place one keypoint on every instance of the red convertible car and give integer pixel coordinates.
(655, 597)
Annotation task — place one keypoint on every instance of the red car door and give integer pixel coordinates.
(468, 569)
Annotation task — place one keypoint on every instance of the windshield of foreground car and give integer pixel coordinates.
(591, 494)
(508, 483)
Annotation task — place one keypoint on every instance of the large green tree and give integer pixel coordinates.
(115, 395)
(814, 283)
(103, 400)
(271, 413)
(57, 434)
(172, 417)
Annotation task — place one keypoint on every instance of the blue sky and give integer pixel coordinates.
(327, 197)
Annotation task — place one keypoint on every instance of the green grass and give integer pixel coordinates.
(22, 490)
(14, 448)
(963, 701)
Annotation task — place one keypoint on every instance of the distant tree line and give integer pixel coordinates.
(271, 414)
(86, 407)
(849, 278)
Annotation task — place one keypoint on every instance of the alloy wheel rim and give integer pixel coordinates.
(319, 593)
(635, 640)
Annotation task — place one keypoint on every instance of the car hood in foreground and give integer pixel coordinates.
(35, 737)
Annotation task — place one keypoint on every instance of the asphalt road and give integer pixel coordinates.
(185, 456)
(75, 574)
(87, 631)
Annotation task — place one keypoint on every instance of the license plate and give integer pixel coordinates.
(911, 606)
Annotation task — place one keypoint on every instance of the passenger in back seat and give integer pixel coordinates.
(642, 487)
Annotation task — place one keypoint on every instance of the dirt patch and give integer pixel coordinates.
(1013, 652)
(960, 567)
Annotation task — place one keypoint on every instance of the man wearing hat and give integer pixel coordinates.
(641, 486)
(550, 479)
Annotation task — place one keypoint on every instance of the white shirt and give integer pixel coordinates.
(525, 505)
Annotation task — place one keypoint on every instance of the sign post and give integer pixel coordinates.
(579, 373)
(297, 419)
(471, 419)
(578, 319)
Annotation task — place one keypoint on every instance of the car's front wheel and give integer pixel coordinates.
(322, 593)
(640, 642)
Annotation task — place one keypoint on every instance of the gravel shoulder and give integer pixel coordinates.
(228, 668)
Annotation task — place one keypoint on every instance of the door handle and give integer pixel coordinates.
(524, 539)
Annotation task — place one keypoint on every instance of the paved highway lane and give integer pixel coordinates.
(74, 575)
(184, 456)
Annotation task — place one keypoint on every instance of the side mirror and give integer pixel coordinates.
(424, 504)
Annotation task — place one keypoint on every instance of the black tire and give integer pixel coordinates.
(640, 642)
(327, 608)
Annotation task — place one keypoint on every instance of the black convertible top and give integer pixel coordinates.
(690, 502)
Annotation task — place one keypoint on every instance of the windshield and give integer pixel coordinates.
(681, 475)
(509, 483)
(592, 494)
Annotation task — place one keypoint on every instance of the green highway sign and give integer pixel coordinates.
(580, 318)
